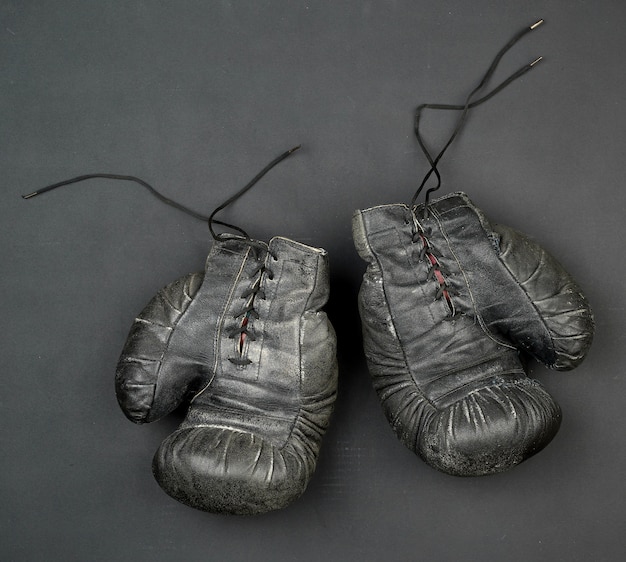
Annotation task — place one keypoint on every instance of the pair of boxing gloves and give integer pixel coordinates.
(449, 303)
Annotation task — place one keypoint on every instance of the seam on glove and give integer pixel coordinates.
(477, 315)
(386, 301)
(220, 325)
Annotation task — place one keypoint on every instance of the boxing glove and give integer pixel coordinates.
(447, 303)
(248, 343)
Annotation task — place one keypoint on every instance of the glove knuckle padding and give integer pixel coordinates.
(450, 379)
(264, 388)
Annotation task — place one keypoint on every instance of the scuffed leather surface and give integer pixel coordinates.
(454, 389)
(251, 437)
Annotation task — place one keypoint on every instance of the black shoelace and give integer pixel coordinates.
(208, 219)
(421, 234)
(470, 103)
(211, 218)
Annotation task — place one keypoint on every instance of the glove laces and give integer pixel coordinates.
(420, 233)
(210, 220)
(470, 103)
(243, 331)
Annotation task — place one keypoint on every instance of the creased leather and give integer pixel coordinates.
(251, 438)
(453, 387)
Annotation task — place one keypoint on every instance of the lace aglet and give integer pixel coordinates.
(535, 61)
(291, 150)
(29, 195)
(536, 24)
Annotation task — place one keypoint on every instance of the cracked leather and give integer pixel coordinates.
(449, 374)
(251, 438)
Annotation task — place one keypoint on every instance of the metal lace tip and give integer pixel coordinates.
(536, 24)
(294, 149)
(30, 195)
(535, 61)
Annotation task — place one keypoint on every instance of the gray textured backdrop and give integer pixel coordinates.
(196, 97)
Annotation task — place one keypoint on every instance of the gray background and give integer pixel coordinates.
(195, 97)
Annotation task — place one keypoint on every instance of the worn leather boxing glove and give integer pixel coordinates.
(248, 343)
(447, 302)
(247, 340)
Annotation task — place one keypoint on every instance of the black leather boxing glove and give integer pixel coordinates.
(248, 342)
(446, 302)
